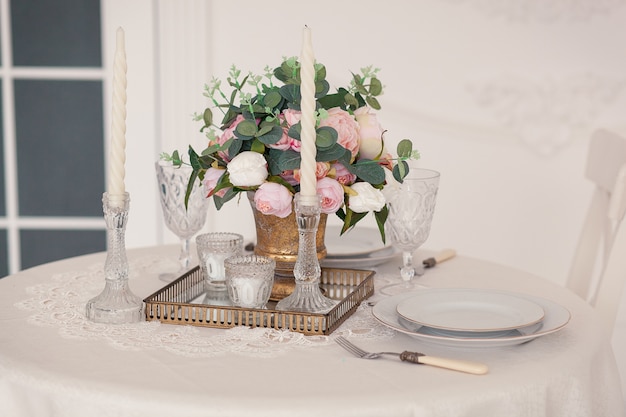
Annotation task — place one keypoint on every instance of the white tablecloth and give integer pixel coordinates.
(53, 362)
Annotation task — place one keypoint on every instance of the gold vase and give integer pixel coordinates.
(278, 237)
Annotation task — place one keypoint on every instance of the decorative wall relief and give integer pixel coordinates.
(546, 114)
(544, 10)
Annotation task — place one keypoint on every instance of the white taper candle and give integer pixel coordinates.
(308, 182)
(117, 155)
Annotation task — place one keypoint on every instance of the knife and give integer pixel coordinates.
(439, 257)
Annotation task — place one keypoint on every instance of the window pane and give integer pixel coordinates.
(4, 254)
(42, 246)
(56, 33)
(60, 156)
(3, 208)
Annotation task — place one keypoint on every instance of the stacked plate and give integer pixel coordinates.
(358, 248)
(471, 317)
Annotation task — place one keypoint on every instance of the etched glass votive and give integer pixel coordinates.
(213, 249)
(249, 280)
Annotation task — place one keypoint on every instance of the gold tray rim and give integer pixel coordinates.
(203, 315)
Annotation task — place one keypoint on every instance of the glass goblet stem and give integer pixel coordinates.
(407, 272)
(184, 257)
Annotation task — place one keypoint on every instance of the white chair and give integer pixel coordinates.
(598, 271)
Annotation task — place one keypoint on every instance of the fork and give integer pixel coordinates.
(469, 367)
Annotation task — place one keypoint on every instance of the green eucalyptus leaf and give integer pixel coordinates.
(325, 137)
(274, 135)
(294, 131)
(333, 153)
(230, 116)
(369, 171)
(321, 88)
(257, 146)
(190, 185)
(234, 148)
(176, 159)
(194, 159)
(290, 92)
(381, 218)
(351, 100)
(264, 128)
(405, 148)
(207, 117)
(272, 99)
(289, 159)
(220, 201)
(400, 170)
(372, 102)
(246, 128)
(376, 88)
(320, 72)
(273, 161)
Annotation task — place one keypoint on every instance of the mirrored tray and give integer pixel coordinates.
(181, 302)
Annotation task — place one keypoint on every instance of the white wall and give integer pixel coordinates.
(500, 96)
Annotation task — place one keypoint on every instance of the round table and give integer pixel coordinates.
(53, 362)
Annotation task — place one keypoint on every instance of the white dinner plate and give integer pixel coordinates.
(357, 248)
(469, 310)
(556, 317)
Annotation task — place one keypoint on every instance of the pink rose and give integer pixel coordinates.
(342, 175)
(370, 134)
(332, 194)
(211, 178)
(347, 128)
(227, 134)
(273, 199)
(292, 117)
(285, 141)
(321, 169)
(296, 145)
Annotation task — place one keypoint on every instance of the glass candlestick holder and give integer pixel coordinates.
(116, 304)
(307, 296)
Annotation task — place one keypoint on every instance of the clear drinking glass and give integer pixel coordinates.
(183, 221)
(249, 280)
(411, 208)
(213, 249)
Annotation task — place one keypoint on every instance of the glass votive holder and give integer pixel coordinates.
(213, 248)
(249, 280)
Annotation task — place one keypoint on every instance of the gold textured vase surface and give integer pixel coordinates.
(278, 238)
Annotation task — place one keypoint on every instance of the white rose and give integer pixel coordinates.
(367, 198)
(248, 169)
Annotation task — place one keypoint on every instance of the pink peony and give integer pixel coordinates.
(332, 195)
(342, 175)
(227, 134)
(370, 134)
(211, 178)
(273, 199)
(347, 128)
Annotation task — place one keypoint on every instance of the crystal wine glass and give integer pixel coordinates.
(183, 221)
(411, 208)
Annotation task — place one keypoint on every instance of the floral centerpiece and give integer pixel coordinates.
(256, 145)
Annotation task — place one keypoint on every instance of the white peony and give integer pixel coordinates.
(367, 198)
(248, 169)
